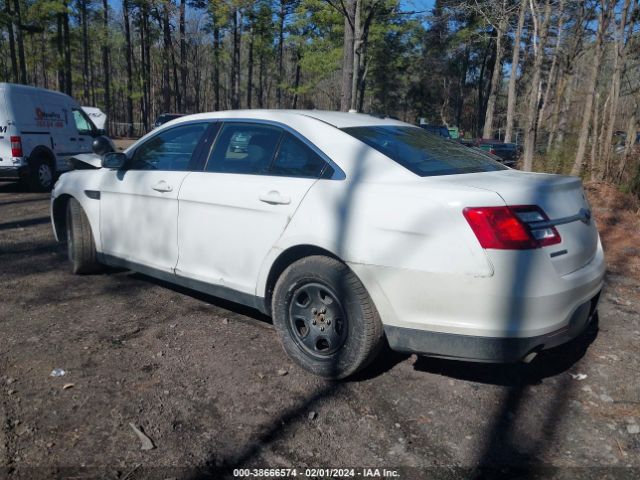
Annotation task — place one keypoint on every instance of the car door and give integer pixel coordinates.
(86, 130)
(233, 212)
(138, 204)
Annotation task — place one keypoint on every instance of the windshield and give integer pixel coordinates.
(423, 153)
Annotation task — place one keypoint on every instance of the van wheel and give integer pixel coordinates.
(40, 177)
(325, 318)
(80, 246)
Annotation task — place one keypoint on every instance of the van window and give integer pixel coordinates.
(83, 124)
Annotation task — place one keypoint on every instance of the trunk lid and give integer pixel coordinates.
(563, 200)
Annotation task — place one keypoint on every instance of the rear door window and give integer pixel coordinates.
(423, 153)
(244, 148)
(295, 159)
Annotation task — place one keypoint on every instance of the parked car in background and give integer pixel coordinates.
(346, 229)
(166, 117)
(508, 152)
(440, 130)
(39, 131)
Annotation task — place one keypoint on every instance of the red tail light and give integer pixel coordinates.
(16, 146)
(511, 228)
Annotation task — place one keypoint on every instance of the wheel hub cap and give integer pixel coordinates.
(317, 320)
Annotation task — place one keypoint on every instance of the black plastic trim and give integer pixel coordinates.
(487, 349)
(219, 291)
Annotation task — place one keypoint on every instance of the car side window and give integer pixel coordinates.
(170, 150)
(295, 159)
(83, 124)
(244, 148)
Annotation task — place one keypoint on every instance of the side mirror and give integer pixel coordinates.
(114, 160)
(102, 145)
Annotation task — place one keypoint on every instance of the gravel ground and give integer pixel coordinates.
(209, 385)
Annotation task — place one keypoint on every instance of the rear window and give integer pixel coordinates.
(423, 153)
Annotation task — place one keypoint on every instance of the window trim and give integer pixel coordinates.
(194, 163)
(338, 173)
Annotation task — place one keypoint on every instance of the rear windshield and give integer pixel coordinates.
(424, 153)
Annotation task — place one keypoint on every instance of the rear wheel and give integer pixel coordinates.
(81, 248)
(40, 177)
(325, 318)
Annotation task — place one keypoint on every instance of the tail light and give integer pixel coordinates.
(16, 146)
(511, 228)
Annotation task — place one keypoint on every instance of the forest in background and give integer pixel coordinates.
(560, 77)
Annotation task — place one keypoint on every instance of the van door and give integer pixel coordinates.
(49, 116)
(86, 130)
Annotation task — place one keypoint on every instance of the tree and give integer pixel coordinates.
(603, 21)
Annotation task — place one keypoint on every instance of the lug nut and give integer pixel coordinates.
(313, 322)
(322, 329)
(324, 310)
(314, 311)
(328, 322)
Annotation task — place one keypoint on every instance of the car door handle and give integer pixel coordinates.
(274, 198)
(162, 186)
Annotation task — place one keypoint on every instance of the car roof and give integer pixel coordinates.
(336, 119)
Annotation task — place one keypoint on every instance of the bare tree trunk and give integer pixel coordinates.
(282, 13)
(183, 103)
(23, 66)
(481, 98)
(105, 59)
(235, 64)
(620, 52)
(357, 45)
(515, 61)
(554, 64)
(250, 69)
(12, 44)
(261, 82)
(216, 66)
(531, 115)
(60, 51)
(496, 76)
(82, 5)
(67, 49)
(590, 87)
(296, 82)
(347, 55)
(129, 54)
(594, 137)
(166, 40)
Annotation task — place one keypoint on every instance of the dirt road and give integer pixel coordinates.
(209, 384)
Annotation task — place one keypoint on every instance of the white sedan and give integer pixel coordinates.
(349, 230)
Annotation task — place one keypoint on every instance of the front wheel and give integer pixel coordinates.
(80, 245)
(326, 320)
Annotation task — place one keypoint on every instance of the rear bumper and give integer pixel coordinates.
(13, 173)
(498, 318)
(488, 349)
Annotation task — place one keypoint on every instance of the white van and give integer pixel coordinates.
(39, 130)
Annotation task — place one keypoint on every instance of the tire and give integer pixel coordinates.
(41, 175)
(80, 246)
(345, 337)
